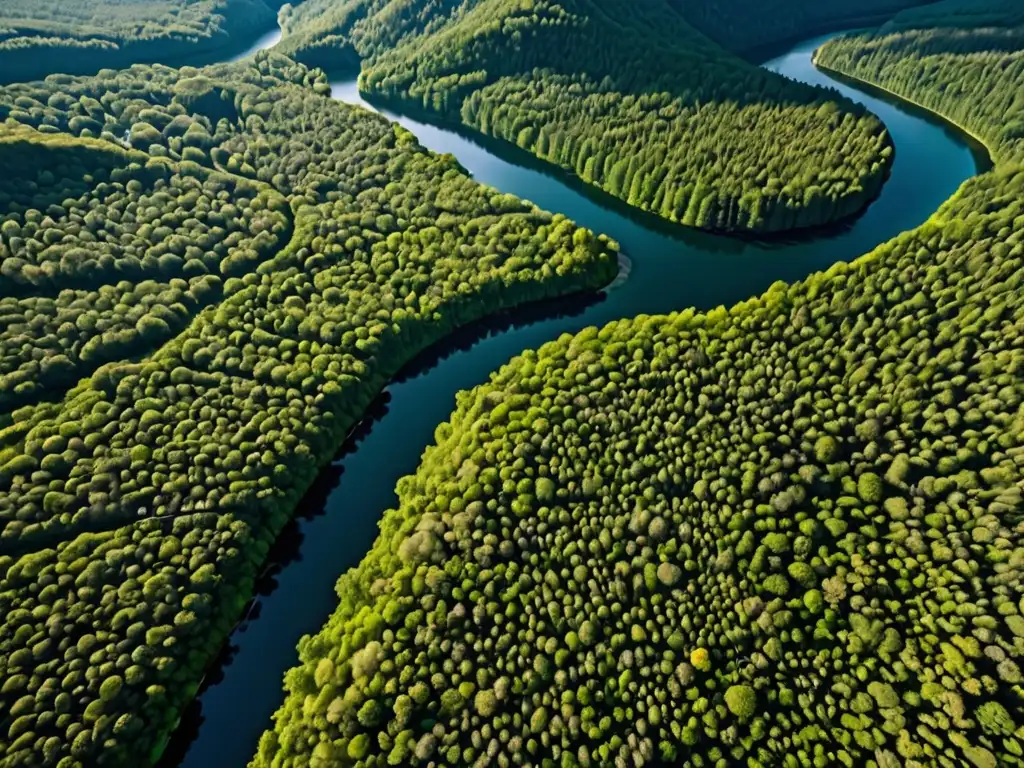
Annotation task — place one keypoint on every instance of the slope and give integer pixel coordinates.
(40, 37)
(627, 96)
(787, 532)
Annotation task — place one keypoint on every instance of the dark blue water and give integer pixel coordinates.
(672, 269)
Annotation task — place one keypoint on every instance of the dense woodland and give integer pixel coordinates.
(137, 507)
(628, 96)
(39, 37)
(974, 79)
(107, 254)
(784, 533)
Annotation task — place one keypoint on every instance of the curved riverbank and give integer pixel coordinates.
(672, 268)
(981, 145)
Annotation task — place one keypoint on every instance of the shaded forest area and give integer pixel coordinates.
(41, 37)
(787, 532)
(747, 25)
(627, 96)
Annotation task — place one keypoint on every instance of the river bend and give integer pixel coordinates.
(671, 268)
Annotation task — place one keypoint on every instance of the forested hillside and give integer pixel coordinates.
(136, 509)
(628, 96)
(40, 37)
(972, 78)
(786, 533)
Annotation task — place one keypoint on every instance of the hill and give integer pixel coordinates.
(41, 37)
(627, 96)
(788, 532)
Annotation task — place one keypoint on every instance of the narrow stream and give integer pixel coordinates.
(672, 268)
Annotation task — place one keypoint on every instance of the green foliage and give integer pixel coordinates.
(770, 439)
(627, 96)
(960, 58)
(40, 37)
(994, 719)
(869, 488)
(741, 701)
(137, 508)
(107, 254)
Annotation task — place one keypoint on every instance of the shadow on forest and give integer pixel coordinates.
(287, 549)
(729, 242)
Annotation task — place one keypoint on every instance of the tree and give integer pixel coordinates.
(741, 701)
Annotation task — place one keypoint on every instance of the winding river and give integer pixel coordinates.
(672, 268)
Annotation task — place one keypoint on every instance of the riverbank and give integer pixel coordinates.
(337, 523)
(990, 159)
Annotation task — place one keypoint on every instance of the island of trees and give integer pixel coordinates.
(783, 533)
(627, 96)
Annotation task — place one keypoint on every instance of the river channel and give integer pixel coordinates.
(671, 268)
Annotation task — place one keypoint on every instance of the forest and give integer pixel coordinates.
(259, 260)
(40, 37)
(782, 533)
(119, 268)
(785, 532)
(973, 79)
(628, 97)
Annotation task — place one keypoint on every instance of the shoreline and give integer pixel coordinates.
(555, 169)
(992, 160)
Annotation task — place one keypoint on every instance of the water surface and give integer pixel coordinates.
(672, 268)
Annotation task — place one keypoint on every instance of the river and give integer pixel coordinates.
(672, 268)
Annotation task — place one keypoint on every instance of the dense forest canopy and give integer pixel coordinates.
(962, 63)
(40, 37)
(626, 95)
(785, 533)
(255, 260)
(106, 254)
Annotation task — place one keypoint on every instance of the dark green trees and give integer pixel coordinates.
(743, 25)
(327, 248)
(789, 532)
(627, 96)
(106, 254)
